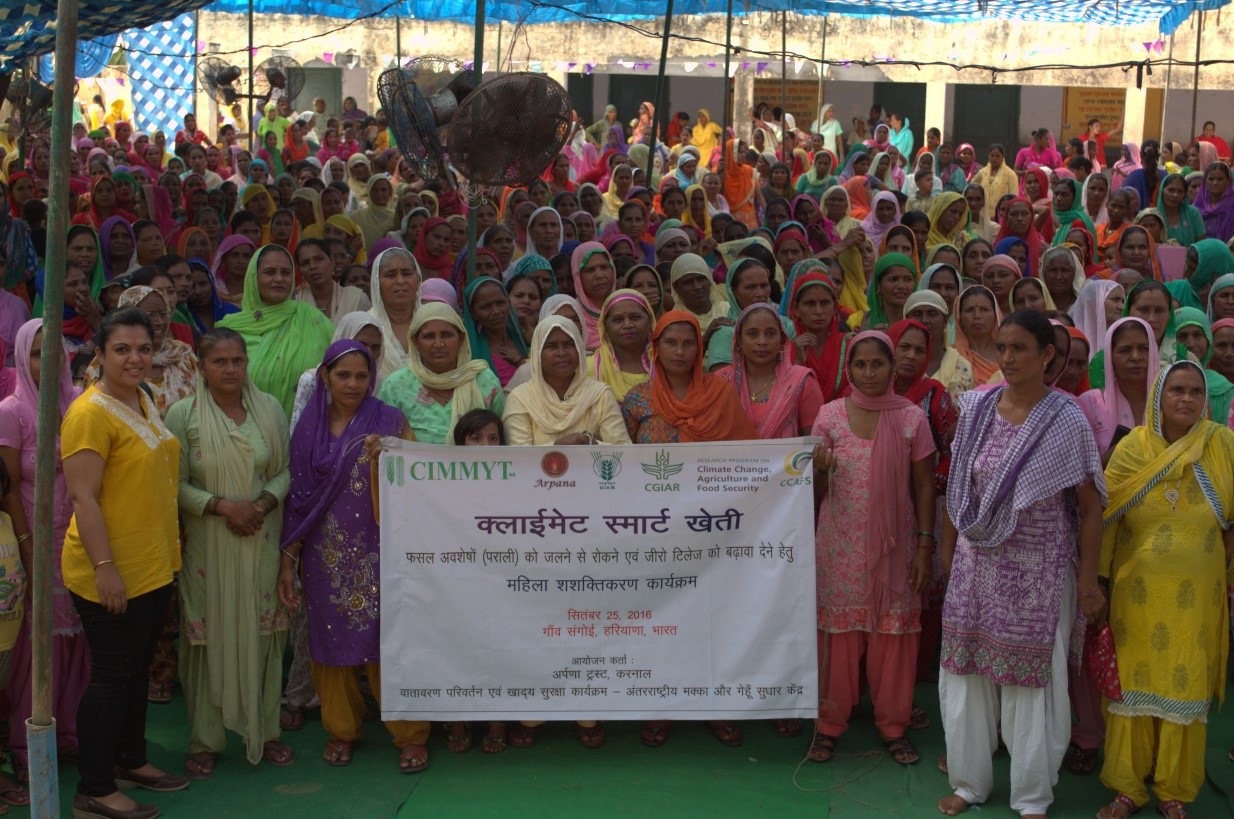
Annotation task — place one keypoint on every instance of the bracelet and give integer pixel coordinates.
(930, 535)
(23, 538)
(212, 505)
(104, 563)
(294, 558)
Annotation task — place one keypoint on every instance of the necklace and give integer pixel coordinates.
(1172, 494)
(762, 389)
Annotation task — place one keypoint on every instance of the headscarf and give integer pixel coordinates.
(228, 244)
(462, 379)
(828, 362)
(23, 392)
(853, 289)
(105, 242)
(1219, 216)
(983, 368)
(479, 342)
(374, 221)
(606, 368)
(1153, 262)
(1190, 228)
(1118, 410)
(440, 291)
(1220, 390)
(1040, 285)
(437, 266)
(345, 224)
(1032, 239)
(561, 237)
(959, 234)
(886, 570)
(1145, 459)
(159, 206)
(876, 317)
(218, 307)
(392, 356)
(322, 464)
(1077, 213)
(283, 339)
(780, 416)
(21, 259)
(1078, 335)
(876, 230)
(553, 415)
(711, 410)
(1078, 279)
(1215, 259)
(688, 219)
(858, 191)
(847, 173)
(691, 264)
(1088, 312)
(591, 310)
(359, 189)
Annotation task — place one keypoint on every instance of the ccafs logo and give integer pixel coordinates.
(797, 465)
(607, 467)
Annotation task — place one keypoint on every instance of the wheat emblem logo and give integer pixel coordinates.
(663, 468)
(607, 467)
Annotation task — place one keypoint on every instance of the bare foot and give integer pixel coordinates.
(952, 805)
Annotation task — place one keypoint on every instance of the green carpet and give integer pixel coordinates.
(692, 775)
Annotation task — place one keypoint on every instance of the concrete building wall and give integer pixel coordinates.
(1010, 45)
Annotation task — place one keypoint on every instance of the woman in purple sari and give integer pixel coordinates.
(331, 537)
(1026, 487)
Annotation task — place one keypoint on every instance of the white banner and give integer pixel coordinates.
(635, 582)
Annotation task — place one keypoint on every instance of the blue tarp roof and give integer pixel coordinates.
(27, 27)
(1166, 14)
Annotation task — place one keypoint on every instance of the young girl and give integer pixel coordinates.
(479, 427)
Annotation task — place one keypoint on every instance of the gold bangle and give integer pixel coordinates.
(23, 538)
(104, 563)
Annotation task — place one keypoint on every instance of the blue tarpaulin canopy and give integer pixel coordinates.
(27, 27)
(1166, 14)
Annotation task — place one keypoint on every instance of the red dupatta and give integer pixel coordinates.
(828, 361)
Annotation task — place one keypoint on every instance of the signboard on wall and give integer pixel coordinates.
(1109, 105)
(800, 98)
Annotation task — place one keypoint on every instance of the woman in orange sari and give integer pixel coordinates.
(740, 190)
(977, 318)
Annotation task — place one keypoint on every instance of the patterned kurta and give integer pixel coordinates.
(1003, 603)
(1168, 606)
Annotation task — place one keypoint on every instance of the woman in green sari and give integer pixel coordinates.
(284, 337)
(1196, 334)
(233, 478)
(1205, 261)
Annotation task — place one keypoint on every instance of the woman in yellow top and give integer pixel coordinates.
(705, 135)
(12, 595)
(120, 552)
(623, 360)
(1164, 556)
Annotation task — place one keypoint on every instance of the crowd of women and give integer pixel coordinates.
(993, 354)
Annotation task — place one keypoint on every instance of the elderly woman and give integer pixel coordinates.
(945, 365)
(1025, 487)
(233, 476)
(441, 381)
(595, 279)
(561, 405)
(118, 561)
(1164, 558)
(395, 286)
(330, 484)
(871, 568)
(283, 336)
(695, 291)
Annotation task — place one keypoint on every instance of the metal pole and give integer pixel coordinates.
(41, 727)
(398, 39)
(783, 72)
(1165, 95)
(252, 131)
(196, 50)
(1195, 83)
(729, 92)
(477, 77)
(497, 67)
(655, 120)
(822, 65)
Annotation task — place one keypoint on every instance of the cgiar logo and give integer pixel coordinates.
(663, 468)
(796, 463)
(607, 468)
(394, 470)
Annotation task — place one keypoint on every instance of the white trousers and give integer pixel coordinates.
(1035, 725)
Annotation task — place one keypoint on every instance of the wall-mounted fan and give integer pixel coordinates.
(275, 78)
(505, 132)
